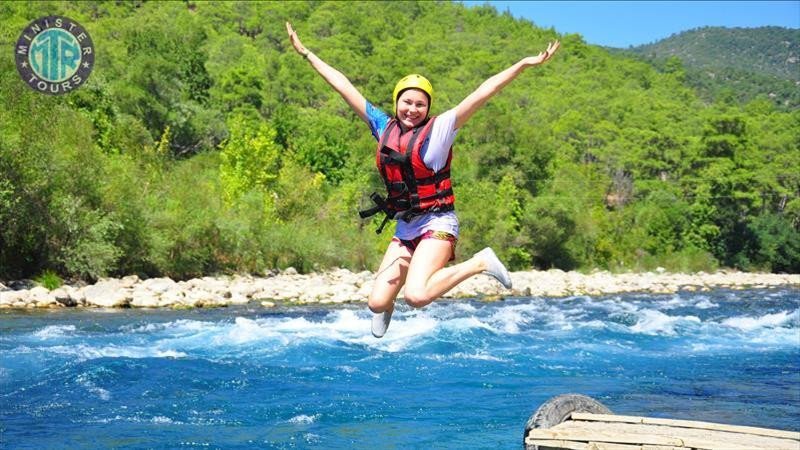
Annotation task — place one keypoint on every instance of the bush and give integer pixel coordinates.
(85, 239)
(49, 280)
(778, 244)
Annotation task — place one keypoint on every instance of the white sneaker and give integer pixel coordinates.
(380, 323)
(494, 267)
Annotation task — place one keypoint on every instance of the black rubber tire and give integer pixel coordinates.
(558, 409)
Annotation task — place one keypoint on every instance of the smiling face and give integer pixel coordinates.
(412, 107)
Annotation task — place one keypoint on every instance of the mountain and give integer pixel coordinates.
(734, 63)
(203, 143)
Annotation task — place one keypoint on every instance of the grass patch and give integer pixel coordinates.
(49, 280)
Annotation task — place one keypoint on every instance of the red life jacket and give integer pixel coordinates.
(413, 189)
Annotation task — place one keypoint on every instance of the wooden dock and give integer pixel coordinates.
(588, 431)
(585, 431)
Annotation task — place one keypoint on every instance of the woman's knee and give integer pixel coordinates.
(378, 303)
(416, 297)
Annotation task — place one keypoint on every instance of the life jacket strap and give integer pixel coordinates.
(441, 194)
(379, 230)
(438, 177)
(380, 206)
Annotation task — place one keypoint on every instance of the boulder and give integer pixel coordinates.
(158, 285)
(129, 281)
(19, 285)
(62, 297)
(77, 296)
(238, 299)
(10, 298)
(172, 297)
(108, 294)
(40, 297)
(143, 298)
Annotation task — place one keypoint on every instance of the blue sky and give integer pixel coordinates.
(625, 23)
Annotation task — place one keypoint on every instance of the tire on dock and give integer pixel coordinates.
(558, 409)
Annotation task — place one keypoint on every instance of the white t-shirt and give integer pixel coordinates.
(434, 154)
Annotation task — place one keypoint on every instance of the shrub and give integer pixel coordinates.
(49, 280)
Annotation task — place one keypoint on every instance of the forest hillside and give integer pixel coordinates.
(737, 64)
(202, 143)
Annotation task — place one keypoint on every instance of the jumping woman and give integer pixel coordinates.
(413, 157)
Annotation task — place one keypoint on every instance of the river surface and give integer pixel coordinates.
(454, 375)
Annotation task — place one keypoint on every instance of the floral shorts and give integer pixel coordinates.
(430, 234)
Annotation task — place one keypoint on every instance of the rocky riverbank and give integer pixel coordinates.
(342, 286)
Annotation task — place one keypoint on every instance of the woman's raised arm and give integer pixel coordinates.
(336, 79)
(496, 83)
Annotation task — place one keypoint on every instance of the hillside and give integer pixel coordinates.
(736, 63)
(202, 143)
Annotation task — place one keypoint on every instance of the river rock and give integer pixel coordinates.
(144, 298)
(19, 285)
(63, 297)
(172, 297)
(238, 299)
(158, 285)
(40, 297)
(76, 295)
(243, 287)
(8, 299)
(129, 281)
(107, 294)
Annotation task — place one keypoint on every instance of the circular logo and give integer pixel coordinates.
(54, 55)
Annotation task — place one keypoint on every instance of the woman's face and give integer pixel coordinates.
(412, 107)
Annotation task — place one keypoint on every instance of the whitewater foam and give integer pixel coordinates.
(653, 322)
(86, 352)
(706, 304)
(303, 419)
(746, 323)
(478, 356)
(55, 331)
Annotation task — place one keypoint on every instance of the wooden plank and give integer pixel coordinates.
(574, 445)
(555, 443)
(688, 424)
(603, 436)
(688, 437)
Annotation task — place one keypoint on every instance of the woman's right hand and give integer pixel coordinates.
(298, 46)
(335, 78)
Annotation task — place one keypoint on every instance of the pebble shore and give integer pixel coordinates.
(342, 286)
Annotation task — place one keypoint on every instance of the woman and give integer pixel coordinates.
(413, 156)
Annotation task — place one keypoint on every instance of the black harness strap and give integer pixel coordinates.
(437, 178)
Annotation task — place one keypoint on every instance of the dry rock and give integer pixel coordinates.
(107, 294)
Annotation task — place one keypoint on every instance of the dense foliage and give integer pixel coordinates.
(734, 64)
(202, 143)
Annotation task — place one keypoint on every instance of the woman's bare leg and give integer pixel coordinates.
(390, 278)
(428, 278)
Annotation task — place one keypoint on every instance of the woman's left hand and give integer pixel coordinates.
(544, 56)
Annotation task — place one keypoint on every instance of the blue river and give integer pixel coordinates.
(453, 375)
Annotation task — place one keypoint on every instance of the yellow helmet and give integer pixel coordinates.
(414, 81)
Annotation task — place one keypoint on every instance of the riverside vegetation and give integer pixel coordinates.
(201, 144)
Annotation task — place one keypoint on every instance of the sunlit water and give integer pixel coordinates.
(452, 375)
